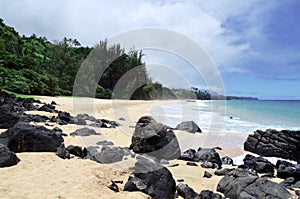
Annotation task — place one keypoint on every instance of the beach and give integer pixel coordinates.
(45, 175)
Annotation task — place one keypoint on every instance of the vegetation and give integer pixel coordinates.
(35, 66)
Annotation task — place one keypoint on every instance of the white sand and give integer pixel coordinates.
(44, 175)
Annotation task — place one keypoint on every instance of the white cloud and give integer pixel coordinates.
(92, 20)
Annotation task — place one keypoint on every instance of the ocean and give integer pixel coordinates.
(230, 122)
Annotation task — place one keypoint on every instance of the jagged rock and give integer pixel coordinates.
(151, 178)
(79, 121)
(7, 157)
(208, 155)
(8, 117)
(109, 155)
(259, 164)
(245, 184)
(24, 137)
(53, 103)
(185, 191)
(62, 152)
(272, 143)
(188, 155)
(34, 118)
(64, 118)
(207, 194)
(91, 152)
(207, 175)
(188, 126)
(99, 125)
(86, 117)
(48, 108)
(77, 151)
(223, 172)
(84, 132)
(227, 160)
(154, 139)
(210, 165)
(286, 169)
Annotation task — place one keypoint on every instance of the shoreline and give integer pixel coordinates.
(78, 178)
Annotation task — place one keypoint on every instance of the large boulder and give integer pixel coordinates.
(7, 157)
(188, 126)
(245, 184)
(24, 137)
(151, 178)
(155, 139)
(272, 143)
(208, 155)
(8, 117)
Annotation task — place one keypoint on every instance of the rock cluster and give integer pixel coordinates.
(244, 184)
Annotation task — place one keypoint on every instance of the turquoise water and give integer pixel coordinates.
(277, 114)
(228, 123)
(236, 116)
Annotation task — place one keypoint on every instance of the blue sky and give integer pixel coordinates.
(255, 44)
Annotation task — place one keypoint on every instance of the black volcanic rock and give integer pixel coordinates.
(227, 160)
(151, 178)
(185, 191)
(84, 132)
(155, 139)
(244, 184)
(8, 117)
(188, 126)
(272, 143)
(259, 164)
(207, 194)
(109, 154)
(7, 157)
(208, 155)
(188, 155)
(24, 137)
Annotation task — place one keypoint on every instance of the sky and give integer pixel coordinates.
(254, 44)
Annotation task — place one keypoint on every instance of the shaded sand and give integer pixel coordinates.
(44, 175)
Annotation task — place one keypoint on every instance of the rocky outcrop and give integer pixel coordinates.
(272, 143)
(7, 157)
(189, 126)
(24, 137)
(151, 178)
(245, 184)
(154, 139)
(12, 109)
